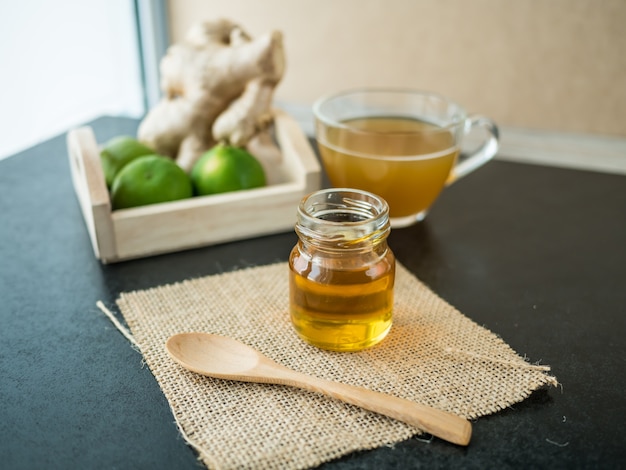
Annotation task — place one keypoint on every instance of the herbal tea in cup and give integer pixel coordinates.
(399, 144)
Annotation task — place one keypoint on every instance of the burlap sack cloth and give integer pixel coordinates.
(433, 355)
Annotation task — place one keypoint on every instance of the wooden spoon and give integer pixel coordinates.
(226, 358)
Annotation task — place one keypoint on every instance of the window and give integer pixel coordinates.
(67, 62)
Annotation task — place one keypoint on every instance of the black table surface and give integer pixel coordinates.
(535, 254)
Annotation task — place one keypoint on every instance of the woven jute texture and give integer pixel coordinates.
(433, 355)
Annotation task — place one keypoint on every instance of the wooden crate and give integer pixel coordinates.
(199, 221)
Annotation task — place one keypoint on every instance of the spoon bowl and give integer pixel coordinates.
(212, 355)
(226, 358)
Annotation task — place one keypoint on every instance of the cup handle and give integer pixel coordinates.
(483, 154)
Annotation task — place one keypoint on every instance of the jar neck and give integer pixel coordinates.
(343, 220)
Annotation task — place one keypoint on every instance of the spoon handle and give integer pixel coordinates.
(441, 424)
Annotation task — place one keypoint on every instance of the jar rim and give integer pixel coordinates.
(344, 200)
(343, 216)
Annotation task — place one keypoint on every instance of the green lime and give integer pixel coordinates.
(117, 152)
(148, 180)
(226, 168)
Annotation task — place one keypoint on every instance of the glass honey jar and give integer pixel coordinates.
(341, 271)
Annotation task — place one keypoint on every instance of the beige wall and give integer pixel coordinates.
(540, 64)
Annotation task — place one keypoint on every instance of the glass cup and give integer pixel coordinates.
(402, 145)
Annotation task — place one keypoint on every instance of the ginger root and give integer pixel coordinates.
(217, 85)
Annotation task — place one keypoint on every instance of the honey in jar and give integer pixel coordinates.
(341, 271)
